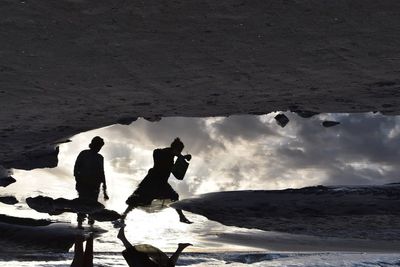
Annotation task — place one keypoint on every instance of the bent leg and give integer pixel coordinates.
(132, 203)
(182, 217)
(136, 200)
(173, 195)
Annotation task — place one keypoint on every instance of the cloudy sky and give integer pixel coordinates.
(240, 152)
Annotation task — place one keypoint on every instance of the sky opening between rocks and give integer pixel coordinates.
(235, 153)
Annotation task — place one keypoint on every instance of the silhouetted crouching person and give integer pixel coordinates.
(89, 175)
(81, 258)
(155, 185)
(147, 255)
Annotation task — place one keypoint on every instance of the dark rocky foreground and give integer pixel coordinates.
(60, 205)
(30, 234)
(370, 212)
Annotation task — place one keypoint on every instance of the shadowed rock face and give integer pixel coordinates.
(60, 205)
(30, 234)
(365, 212)
(9, 200)
(6, 181)
(73, 65)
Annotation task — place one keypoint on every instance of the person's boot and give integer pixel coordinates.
(182, 217)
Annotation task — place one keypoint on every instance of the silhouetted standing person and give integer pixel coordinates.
(155, 185)
(89, 175)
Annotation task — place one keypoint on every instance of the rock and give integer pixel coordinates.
(330, 123)
(23, 221)
(79, 205)
(363, 212)
(305, 113)
(126, 120)
(5, 177)
(57, 206)
(38, 235)
(153, 118)
(41, 204)
(106, 215)
(44, 157)
(62, 141)
(9, 200)
(6, 181)
(281, 119)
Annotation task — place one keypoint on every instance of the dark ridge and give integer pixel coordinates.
(23, 221)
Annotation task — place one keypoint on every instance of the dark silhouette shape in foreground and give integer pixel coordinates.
(327, 124)
(9, 200)
(58, 206)
(6, 181)
(148, 256)
(155, 185)
(83, 258)
(305, 113)
(281, 119)
(89, 175)
(40, 235)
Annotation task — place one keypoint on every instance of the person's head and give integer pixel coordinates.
(96, 144)
(177, 146)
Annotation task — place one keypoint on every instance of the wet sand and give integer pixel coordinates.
(85, 65)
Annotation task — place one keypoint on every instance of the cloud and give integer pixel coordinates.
(248, 128)
(363, 149)
(361, 139)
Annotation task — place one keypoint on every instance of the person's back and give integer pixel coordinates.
(163, 163)
(89, 168)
